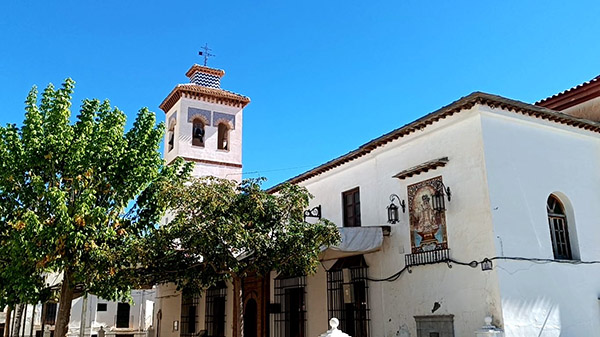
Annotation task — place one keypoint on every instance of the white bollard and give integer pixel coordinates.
(489, 330)
(334, 332)
(47, 331)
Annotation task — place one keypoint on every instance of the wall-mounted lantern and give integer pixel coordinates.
(438, 202)
(314, 212)
(393, 209)
(486, 264)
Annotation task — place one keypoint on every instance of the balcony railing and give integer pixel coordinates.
(434, 256)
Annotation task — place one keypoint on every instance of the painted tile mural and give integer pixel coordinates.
(427, 227)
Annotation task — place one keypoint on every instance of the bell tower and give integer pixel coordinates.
(204, 124)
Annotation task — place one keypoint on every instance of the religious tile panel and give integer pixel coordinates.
(427, 226)
(223, 117)
(204, 115)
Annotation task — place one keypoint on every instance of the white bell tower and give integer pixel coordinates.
(204, 124)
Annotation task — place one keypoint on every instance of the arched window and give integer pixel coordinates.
(559, 229)
(223, 137)
(198, 133)
(171, 138)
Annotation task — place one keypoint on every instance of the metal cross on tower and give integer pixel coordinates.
(206, 53)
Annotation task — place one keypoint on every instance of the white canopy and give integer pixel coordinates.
(355, 241)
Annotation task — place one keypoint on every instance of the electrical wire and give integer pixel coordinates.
(475, 263)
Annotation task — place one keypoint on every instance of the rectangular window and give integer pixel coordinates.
(123, 315)
(347, 295)
(50, 317)
(189, 314)
(101, 307)
(351, 207)
(290, 319)
(435, 326)
(215, 310)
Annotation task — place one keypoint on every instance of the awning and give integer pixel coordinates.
(355, 241)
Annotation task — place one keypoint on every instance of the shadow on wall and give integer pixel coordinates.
(525, 318)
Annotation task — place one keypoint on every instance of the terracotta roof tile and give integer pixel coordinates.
(462, 104)
(573, 96)
(194, 91)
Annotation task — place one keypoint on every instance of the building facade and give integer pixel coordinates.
(88, 316)
(204, 126)
(483, 208)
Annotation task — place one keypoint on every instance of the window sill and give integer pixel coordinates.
(221, 150)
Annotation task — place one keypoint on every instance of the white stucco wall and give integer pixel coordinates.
(168, 306)
(468, 294)
(140, 314)
(527, 159)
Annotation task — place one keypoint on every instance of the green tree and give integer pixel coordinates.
(222, 230)
(77, 199)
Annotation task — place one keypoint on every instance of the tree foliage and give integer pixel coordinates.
(221, 229)
(77, 199)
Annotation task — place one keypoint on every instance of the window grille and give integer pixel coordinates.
(215, 310)
(50, 317)
(189, 315)
(347, 295)
(351, 208)
(559, 231)
(290, 318)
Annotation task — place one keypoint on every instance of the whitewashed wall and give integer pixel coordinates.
(140, 313)
(468, 294)
(528, 159)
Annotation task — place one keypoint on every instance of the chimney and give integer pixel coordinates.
(205, 76)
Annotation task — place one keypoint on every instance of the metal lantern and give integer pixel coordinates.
(393, 209)
(392, 213)
(437, 199)
(486, 264)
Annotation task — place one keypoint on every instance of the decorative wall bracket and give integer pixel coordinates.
(314, 212)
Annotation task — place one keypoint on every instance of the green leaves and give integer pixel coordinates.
(78, 197)
(221, 229)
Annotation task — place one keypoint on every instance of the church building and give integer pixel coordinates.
(477, 217)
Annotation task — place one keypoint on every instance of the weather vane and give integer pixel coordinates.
(206, 53)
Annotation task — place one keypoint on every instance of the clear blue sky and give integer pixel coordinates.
(324, 76)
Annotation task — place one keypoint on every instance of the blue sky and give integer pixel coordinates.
(324, 76)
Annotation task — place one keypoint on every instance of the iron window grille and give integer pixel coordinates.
(215, 310)
(347, 295)
(189, 315)
(50, 316)
(559, 230)
(290, 318)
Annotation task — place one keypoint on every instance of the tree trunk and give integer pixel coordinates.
(64, 306)
(7, 322)
(18, 317)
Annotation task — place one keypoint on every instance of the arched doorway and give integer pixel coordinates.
(250, 318)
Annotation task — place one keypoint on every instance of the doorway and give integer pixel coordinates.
(250, 318)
